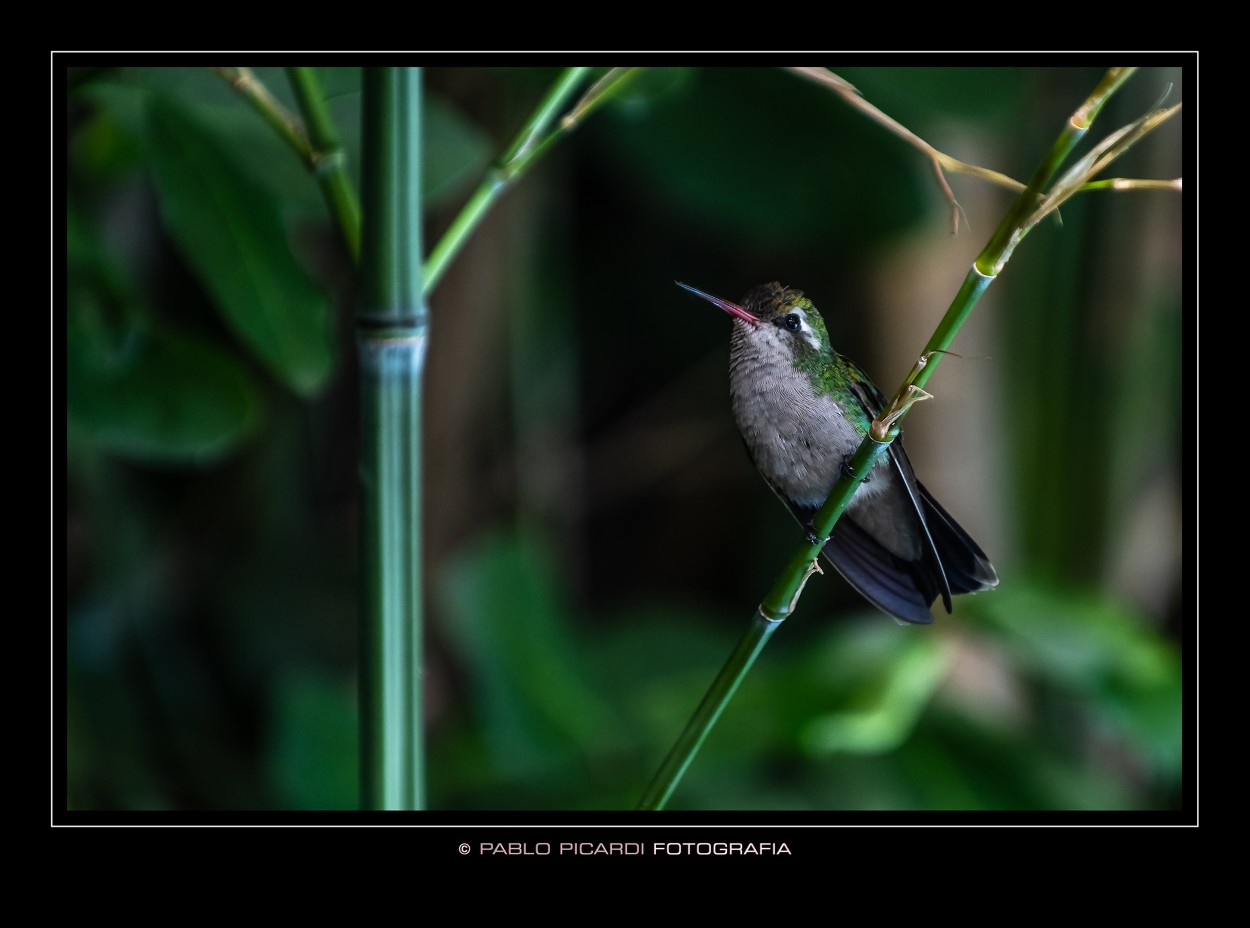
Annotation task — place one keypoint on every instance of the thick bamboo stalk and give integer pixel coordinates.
(391, 338)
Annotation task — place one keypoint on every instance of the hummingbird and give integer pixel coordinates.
(803, 409)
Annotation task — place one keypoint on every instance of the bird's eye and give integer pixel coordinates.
(793, 322)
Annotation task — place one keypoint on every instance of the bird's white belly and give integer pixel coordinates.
(798, 440)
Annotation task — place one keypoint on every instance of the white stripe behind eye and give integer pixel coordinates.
(804, 329)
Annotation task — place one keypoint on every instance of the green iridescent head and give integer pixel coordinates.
(791, 311)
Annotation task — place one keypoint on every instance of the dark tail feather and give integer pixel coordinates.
(968, 570)
(902, 588)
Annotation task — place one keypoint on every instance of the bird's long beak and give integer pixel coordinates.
(732, 308)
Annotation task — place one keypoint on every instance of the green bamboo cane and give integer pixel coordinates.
(281, 120)
(391, 339)
(530, 144)
(783, 596)
(329, 163)
(511, 164)
(314, 139)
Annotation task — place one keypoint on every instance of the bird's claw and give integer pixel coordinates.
(811, 536)
(849, 473)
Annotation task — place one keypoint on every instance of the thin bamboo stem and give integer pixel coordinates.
(525, 149)
(329, 162)
(709, 710)
(314, 140)
(282, 120)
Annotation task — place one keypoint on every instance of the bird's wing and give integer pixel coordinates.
(901, 588)
(950, 561)
(929, 574)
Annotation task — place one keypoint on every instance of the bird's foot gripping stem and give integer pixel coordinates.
(849, 473)
(811, 537)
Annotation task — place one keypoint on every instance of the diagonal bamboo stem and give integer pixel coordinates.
(519, 155)
(783, 596)
(329, 162)
(314, 139)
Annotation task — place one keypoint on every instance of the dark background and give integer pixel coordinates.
(595, 537)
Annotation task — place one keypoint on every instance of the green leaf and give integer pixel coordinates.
(892, 684)
(1101, 651)
(160, 395)
(514, 634)
(231, 234)
(313, 753)
(759, 150)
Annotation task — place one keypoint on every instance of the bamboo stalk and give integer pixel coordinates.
(391, 338)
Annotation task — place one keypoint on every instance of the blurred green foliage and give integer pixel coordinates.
(595, 538)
